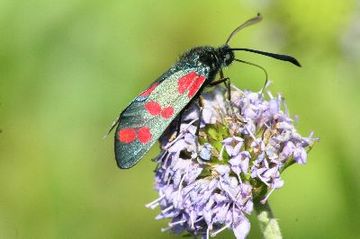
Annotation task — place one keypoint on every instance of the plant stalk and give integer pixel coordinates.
(268, 224)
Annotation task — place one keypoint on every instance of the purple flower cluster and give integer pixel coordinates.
(209, 174)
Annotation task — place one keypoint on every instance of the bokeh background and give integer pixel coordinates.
(67, 68)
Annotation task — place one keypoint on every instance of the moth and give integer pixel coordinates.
(144, 120)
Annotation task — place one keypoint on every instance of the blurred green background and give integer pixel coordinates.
(68, 68)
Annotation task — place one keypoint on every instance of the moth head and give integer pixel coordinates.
(216, 58)
(225, 55)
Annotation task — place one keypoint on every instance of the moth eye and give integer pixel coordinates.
(227, 57)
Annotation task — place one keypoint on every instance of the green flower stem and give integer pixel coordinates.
(268, 224)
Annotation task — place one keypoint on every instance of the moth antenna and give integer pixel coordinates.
(249, 22)
(258, 66)
(269, 54)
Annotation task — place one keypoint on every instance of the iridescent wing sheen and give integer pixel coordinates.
(145, 119)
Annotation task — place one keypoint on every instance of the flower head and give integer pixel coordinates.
(208, 178)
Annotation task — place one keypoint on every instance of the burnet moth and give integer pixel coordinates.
(141, 124)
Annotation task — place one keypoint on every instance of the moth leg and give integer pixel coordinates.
(178, 126)
(115, 123)
(226, 81)
(228, 87)
(227, 84)
(219, 81)
(198, 124)
(200, 109)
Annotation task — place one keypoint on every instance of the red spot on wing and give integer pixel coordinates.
(199, 81)
(147, 92)
(191, 82)
(185, 81)
(127, 135)
(153, 107)
(167, 112)
(144, 135)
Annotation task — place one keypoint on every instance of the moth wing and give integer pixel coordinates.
(146, 118)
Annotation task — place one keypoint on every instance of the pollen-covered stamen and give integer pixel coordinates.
(127, 135)
(263, 201)
(154, 203)
(213, 234)
(171, 224)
